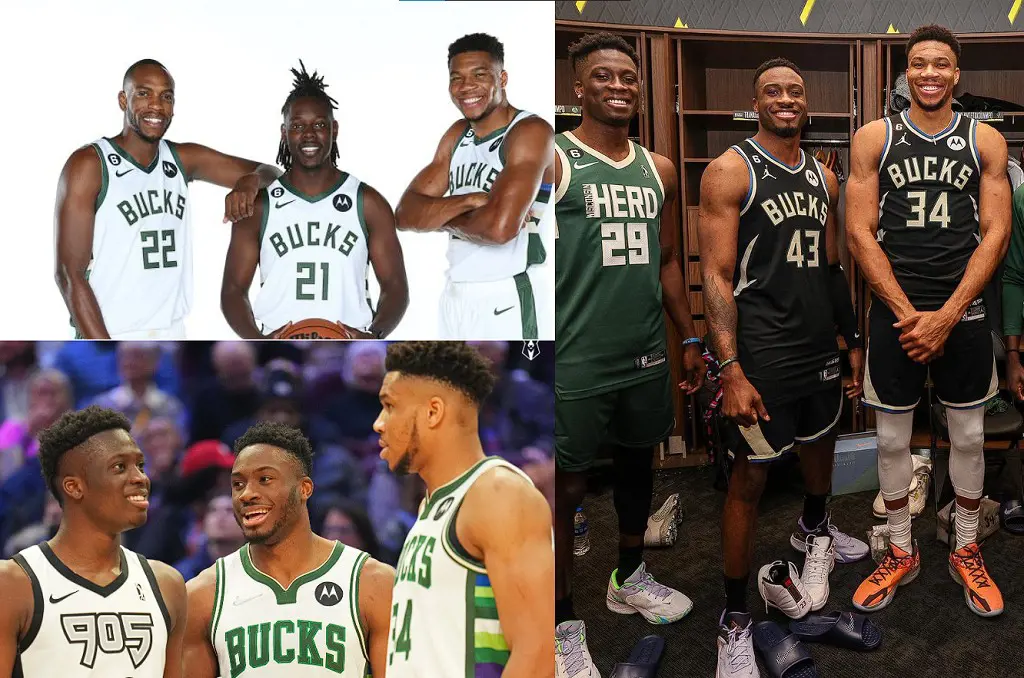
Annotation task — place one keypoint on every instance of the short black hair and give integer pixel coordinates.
(139, 64)
(452, 362)
(478, 42)
(306, 85)
(287, 438)
(581, 49)
(936, 33)
(776, 62)
(70, 431)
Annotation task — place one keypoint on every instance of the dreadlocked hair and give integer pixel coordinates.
(305, 85)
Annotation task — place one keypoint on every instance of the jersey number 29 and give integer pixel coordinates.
(624, 242)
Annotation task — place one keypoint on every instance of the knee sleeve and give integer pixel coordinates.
(967, 456)
(633, 487)
(895, 468)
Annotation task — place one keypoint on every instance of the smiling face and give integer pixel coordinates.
(781, 102)
(610, 87)
(148, 101)
(476, 84)
(310, 131)
(269, 491)
(932, 73)
(104, 479)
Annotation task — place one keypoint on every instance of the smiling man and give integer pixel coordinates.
(928, 221)
(314, 232)
(81, 604)
(124, 251)
(488, 186)
(289, 601)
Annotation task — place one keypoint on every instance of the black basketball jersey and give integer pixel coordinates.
(928, 206)
(786, 333)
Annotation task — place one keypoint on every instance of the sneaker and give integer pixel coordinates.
(848, 549)
(735, 647)
(640, 593)
(918, 489)
(896, 569)
(817, 566)
(662, 527)
(781, 588)
(572, 658)
(981, 593)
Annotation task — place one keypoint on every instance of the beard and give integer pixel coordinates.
(931, 108)
(403, 466)
(291, 507)
(133, 122)
(768, 123)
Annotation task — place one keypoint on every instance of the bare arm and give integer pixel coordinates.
(674, 296)
(862, 219)
(422, 207)
(16, 614)
(529, 149)
(245, 177)
(172, 588)
(77, 193)
(831, 235)
(242, 259)
(506, 523)
(387, 260)
(198, 650)
(376, 580)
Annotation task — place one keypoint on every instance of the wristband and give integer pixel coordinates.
(1013, 350)
(691, 340)
(725, 363)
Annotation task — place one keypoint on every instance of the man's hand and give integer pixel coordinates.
(924, 334)
(693, 369)
(1014, 375)
(856, 357)
(356, 334)
(276, 334)
(741, 402)
(238, 204)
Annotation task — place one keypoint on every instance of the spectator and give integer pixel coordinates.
(138, 396)
(49, 396)
(232, 395)
(39, 532)
(339, 519)
(356, 408)
(17, 365)
(221, 536)
(393, 502)
(162, 444)
(92, 368)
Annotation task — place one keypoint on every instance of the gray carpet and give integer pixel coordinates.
(927, 630)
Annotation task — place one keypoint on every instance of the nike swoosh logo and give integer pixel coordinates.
(121, 174)
(243, 601)
(279, 205)
(576, 165)
(497, 312)
(57, 600)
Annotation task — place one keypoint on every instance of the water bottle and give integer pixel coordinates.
(581, 533)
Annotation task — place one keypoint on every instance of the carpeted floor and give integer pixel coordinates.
(927, 630)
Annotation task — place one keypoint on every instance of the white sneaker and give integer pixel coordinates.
(735, 647)
(781, 588)
(662, 527)
(820, 559)
(918, 489)
(572, 658)
(640, 593)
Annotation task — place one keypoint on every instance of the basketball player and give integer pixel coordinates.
(289, 601)
(927, 253)
(82, 605)
(614, 282)
(474, 577)
(124, 251)
(313, 233)
(488, 186)
(774, 293)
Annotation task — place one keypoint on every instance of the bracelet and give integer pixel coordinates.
(691, 340)
(725, 363)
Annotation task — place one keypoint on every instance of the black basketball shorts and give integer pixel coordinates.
(964, 375)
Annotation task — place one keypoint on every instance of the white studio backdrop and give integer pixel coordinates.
(384, 61)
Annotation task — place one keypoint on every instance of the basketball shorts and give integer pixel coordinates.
(792, 422)
(175, 332)
(964, 376)
(516, 308)
(637, 415)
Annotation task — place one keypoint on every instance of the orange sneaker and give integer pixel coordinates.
(981, 593)
(896, 569)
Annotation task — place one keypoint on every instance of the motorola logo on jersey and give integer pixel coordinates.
(956, 143)
(342, 203)
(792, 204)
(170, 170)
(114, 159)
(328, 593)
(110, 633)
(443, 508)
(277, 192)
(926, 168)
(812, 178)
(494, 145)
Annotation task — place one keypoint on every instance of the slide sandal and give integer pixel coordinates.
(643, 660)
(1011, 516)
(842, 629)
(782, 653)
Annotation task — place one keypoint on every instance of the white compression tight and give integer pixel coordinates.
(895, 468)
(967, 457)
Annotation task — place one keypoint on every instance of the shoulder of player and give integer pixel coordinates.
(374, 199)
(451, 137)
(665, 167)
(170, 581)
(84, 162)
(17, 587)
(727, 177)
(376, 579)
(499, 494)
(989, 139)
(202, 588)
(533, 127)
(831, 180)
(870, 136)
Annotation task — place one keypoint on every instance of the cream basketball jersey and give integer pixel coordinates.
(444, 622)
(81, 630)
(314, 256)
(474, 167)
(312, 628)
(141, 269)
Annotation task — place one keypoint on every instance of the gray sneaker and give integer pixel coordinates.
(572, 658)
(735, 647)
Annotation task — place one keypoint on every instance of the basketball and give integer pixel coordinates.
(316, 328)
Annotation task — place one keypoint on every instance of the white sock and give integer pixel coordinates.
(966, 526)
(899, 527)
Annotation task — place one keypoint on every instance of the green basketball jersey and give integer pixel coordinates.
(608, 318)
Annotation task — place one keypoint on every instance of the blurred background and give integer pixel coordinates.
(189, 401)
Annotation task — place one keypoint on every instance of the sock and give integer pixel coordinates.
(966, 526)
(563, 610)
(630, 558)
(899, 528)
(814, 510)
(736, 593)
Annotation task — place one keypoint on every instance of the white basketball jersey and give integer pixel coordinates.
(314, 256)
(444, 621)
(312, 628)
(82, 630)
(141, 269)
(474, 167)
